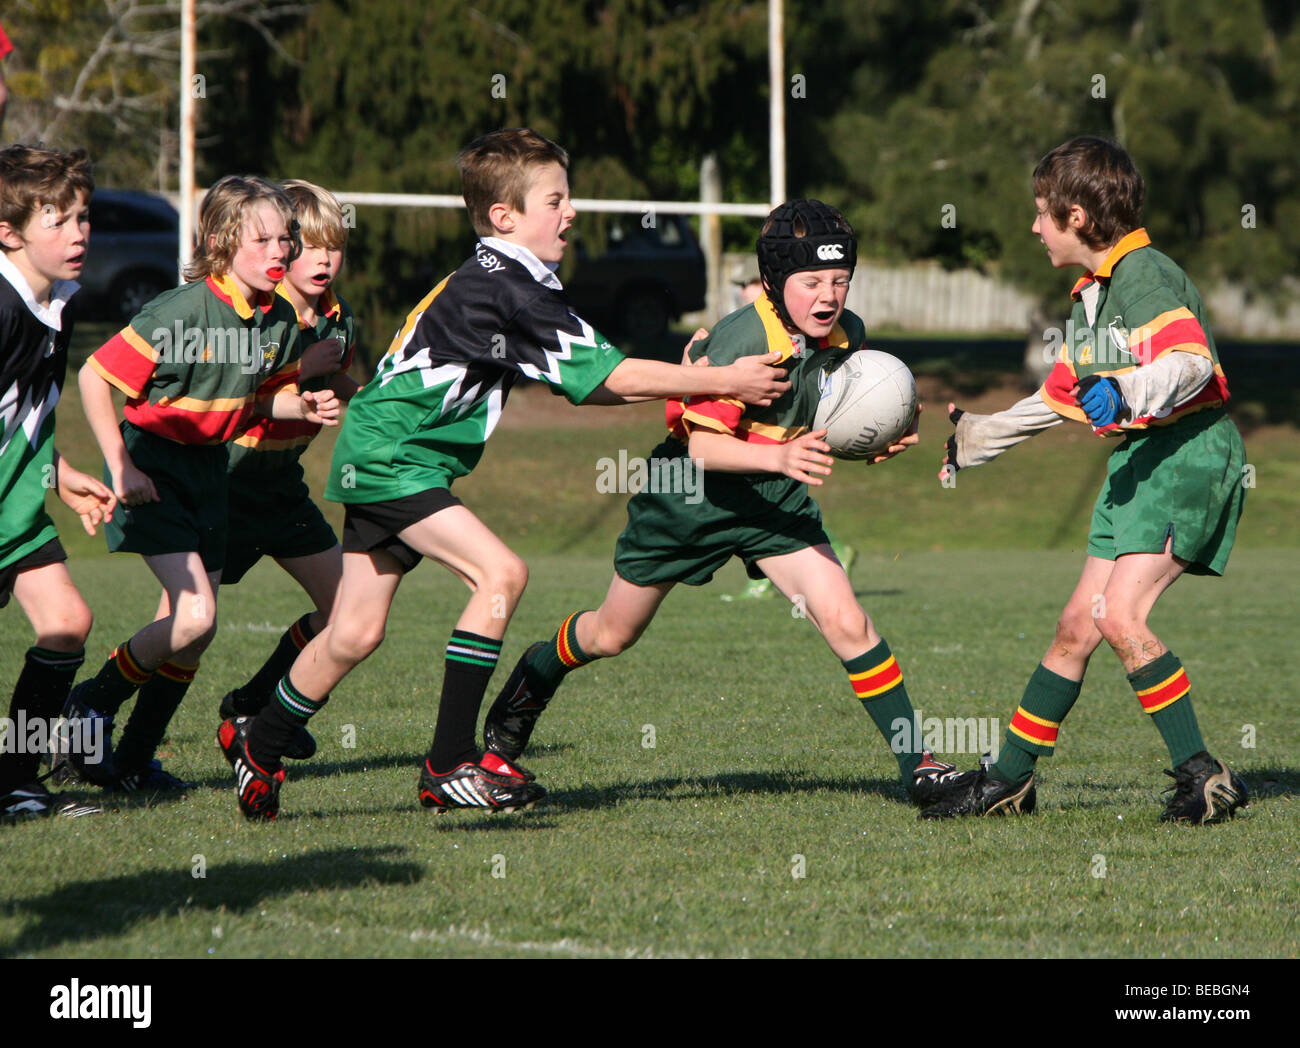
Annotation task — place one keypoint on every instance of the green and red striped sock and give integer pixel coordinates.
(1035, 725)
(547, 667)
(1165, 693)
(159, 697)
(116, 681)
(877, 681)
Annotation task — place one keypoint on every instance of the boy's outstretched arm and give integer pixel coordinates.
(752, 379)
(130, 486)
(982, 438)
(804, 459)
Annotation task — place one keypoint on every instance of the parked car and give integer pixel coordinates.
(647, 276)
(134, 244)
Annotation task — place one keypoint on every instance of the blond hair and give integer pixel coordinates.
(225, 209)
(498, 168)
(33, 177)
(320, 218)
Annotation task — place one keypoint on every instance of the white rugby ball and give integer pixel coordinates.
(868, 401)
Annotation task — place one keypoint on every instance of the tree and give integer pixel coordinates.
(1206, 98)
(103, 74)
(636, 90)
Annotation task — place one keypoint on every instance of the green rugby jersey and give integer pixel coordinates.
(1136, 308)
(33, 363)
(194, 360)
(438, 393)
(752, 330)
(267, 452)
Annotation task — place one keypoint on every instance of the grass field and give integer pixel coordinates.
(765, 819)
(690, 847)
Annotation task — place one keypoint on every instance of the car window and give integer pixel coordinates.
(116, 217)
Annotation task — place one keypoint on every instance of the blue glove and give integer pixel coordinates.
(1101, 400)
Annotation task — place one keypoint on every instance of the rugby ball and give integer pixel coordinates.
(868, 401)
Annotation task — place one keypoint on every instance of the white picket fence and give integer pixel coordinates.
(926, 297)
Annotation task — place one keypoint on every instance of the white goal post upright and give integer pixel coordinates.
(187, 208)
(776, 101)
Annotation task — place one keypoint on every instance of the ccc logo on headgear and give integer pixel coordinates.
(830, 252)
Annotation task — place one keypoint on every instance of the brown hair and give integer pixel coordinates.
(221, 218)
(1102, 179)
(33, 177)
(498, 168)
(320, 218)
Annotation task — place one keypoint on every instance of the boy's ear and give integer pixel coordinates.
(11, 238)
(502, 217)
(1077, 218)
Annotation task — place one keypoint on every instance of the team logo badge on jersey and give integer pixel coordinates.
(1119, 336)
(270, 350)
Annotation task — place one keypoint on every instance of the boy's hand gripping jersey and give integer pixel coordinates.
(271, 445)
(752, 330)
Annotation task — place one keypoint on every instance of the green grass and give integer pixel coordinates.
(761, 754)
(688, 848)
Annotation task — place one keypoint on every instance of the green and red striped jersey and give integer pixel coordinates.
(756, 329)
(194, 361)
(1136, 308)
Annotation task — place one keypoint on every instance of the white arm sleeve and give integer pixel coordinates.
(1159, 387)
(981, 438)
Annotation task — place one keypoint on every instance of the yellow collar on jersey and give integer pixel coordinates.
(1129, 242)
(327, 305)
(225, 289)
(779, 339)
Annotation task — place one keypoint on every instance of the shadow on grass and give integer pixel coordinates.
(107, 801)
(726, 784)
(320, 769)
(87, 910)
(1272, 782)
(547, 749)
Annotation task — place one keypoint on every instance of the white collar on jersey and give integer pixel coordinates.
(542, 272)
(62, 290)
